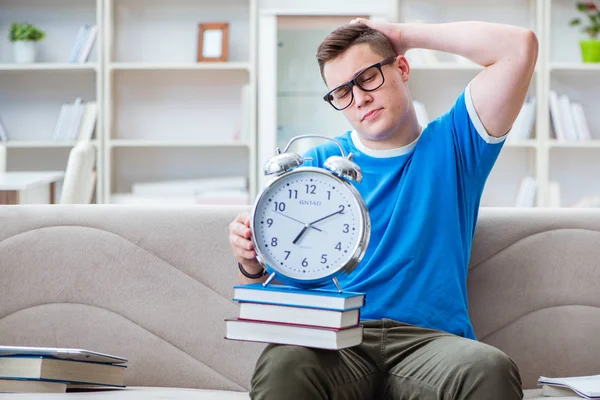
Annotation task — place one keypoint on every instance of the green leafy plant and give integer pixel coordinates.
(25, 32)
(593, 15)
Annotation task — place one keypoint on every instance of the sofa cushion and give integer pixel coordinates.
(536, 394)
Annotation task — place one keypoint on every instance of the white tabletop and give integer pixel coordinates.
(24, 180)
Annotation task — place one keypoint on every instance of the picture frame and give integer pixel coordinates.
(213, 42)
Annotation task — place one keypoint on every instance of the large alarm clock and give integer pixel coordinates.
(309, 224)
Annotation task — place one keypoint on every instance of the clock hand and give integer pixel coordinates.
(325, 217)
(294, 219)
(300, 234)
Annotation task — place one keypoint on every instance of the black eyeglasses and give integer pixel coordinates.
(369, 79)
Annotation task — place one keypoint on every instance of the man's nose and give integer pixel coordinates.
(361, 97)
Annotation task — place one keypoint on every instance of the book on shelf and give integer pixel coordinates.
(523, 124)
(291, 296)
(76, 121)
(84, 42)
(3, 135)
(318, 318)
(568, 118)
(527, 192)
(587, 387)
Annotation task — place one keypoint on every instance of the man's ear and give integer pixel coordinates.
(402, 64)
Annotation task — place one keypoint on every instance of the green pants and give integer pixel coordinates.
(395, 361)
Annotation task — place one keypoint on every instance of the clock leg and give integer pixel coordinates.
(337, 284)
(269, 279)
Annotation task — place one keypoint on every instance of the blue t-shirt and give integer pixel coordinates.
(423, 201)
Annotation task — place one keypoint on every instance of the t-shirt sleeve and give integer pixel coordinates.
(476, 149)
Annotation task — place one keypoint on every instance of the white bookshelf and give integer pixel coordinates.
(169, 117)
(571, 164)
(31, 95)
(164, 116)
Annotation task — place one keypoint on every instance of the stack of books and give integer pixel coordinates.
(57, 370)
(281, 314)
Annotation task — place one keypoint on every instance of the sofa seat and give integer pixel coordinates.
(137, 393)
(536, 394)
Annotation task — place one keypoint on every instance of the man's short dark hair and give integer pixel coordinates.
(345, 36)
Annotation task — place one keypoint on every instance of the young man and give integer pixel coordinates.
(422, 188)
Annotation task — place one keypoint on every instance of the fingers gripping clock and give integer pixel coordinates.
(310, 224)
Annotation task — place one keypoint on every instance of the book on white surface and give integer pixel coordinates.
(62, 353)
(298, 335)
(31, 386)
(291, 296)
(587, 387)
(299, 315)
(48, 368)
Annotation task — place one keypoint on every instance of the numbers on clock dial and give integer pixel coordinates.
(308, 225)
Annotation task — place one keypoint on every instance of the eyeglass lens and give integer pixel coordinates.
(368, 80)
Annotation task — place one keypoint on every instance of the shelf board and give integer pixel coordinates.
(574, 67)
(26, 144)
(529, 143)
(446, 66)
(582, 144)
(48, 67)
(163, 143)
(204, 66)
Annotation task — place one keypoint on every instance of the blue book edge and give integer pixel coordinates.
(291, 289)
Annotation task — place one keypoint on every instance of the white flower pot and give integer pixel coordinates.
(24, 51)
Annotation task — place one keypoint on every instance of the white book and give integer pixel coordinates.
(299, 315)
(529, 120)
(556, 117)
(79, 40)
(564, 106)
(88, 44)
(554, 194)
(585, 386)
(581, 124)
(88, 121)
(308, 336)
(75, 121)
(517, 131)
(3, 135)
(526, 193)
(60, 122)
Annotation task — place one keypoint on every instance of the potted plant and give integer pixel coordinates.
(24, 37)
(590, 49)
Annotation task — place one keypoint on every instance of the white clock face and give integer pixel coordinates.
(308, 225)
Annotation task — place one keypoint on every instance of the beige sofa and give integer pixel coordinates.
(154, 284)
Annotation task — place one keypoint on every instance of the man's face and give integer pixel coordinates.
(375, 115)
